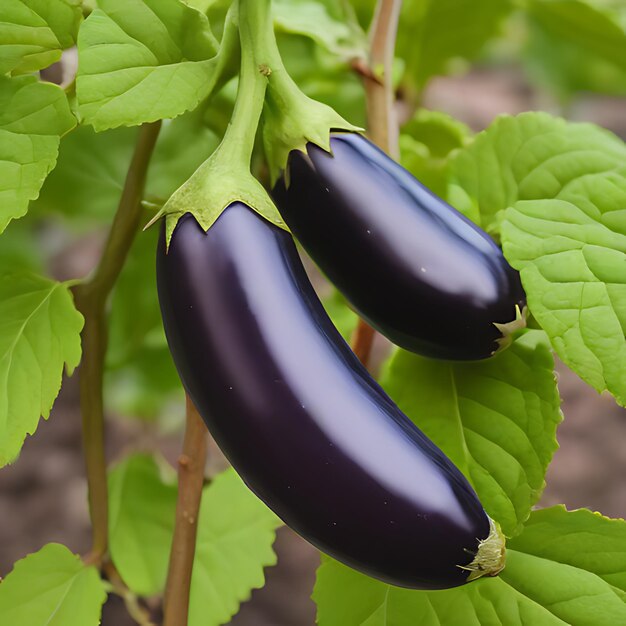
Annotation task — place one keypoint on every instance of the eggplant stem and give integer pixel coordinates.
(490, 557)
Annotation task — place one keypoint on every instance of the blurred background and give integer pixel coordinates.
(529, 62)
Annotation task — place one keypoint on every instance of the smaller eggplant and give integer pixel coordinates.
(415, 268)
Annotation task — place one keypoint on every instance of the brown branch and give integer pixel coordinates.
(382, 122)
(362, 340)
(91, 297)
(191, 465)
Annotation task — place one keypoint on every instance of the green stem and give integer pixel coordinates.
(91, 298)
(225, 176)
(254, 18)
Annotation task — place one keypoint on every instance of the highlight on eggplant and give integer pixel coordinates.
(302, 421)
(415, 268)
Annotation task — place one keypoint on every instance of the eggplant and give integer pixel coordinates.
(415, 268)
(298, 416)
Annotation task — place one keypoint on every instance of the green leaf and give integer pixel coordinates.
(577, 45)
(94, 165)
(581, 539)
(142, 60)
(495, 419)
(33, 116)
(33, 32)
(39, 333)
(433, 32)
(565, 568)
(527, 157)
(52, 587)
(312, 19)
(142, 505)
(235, 536)
(571, 253)
(532, 590)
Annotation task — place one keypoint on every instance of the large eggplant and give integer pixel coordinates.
(413, 266)
(300, 419)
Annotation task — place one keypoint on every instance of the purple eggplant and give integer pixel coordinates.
(298, 416)
(413, 266)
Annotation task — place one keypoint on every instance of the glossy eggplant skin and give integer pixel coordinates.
(413, 266)
(298, 416)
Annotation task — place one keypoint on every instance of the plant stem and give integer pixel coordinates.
(91, 297)
(190, 481)
(254, 16)
(382, 123)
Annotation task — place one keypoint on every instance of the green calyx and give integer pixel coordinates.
(510, 329)
(490, 557)
(225, 177)
(215, 185)
(291, 120)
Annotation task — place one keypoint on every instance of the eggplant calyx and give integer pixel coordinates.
(509, 329)
(293, 120)
(490, 557)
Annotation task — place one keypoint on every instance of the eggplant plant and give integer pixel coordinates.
(222, 136)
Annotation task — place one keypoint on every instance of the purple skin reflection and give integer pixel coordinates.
(413, 266)
(300, 419)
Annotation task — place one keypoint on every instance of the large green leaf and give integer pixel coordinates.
(52, 587)
(495, 419)
(142, 503)
(564, 569)
(39, 333)
(571, 252)
(531, 156)
(433, 32)
(580, 538)
(235, 536)
(142, 60)
(577, 45)
(34, 32)
(33, 116)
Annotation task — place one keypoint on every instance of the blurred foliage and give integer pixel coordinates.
(141, 380)
(577, 45)
(426, 142)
